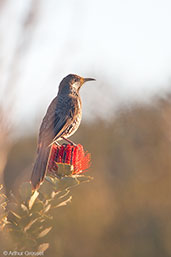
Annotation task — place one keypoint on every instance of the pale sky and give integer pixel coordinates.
(124, 44)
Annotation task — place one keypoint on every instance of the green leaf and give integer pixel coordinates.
(64, 169)
(3, 222)
(61, 197)
(49, 179)
(47, 188)
(66, 182)
(25, 191)
(38, 206)
(34, 227)
(44, 232)
(32, 199)
(43, 247)
(29, 225)
(15, 215)
(82, 178)
(62, 194)
(47, 208)
(64, 203)
(24, 208)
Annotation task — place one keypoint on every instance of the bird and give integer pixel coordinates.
(61, 121)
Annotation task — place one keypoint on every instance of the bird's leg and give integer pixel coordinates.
(69, 141)
(54, 142)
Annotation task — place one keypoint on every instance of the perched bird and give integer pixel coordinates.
(61, 120)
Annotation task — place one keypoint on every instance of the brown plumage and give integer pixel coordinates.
(61, 120)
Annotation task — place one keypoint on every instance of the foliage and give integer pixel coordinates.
(28, 215)
(3, 205)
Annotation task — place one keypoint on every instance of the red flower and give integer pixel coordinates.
(69, 154)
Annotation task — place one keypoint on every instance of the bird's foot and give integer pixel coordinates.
(69, 141)
(54, 142)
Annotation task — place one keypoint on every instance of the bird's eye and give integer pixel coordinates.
(75, 80)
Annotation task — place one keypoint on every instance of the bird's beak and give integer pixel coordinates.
(87, 79)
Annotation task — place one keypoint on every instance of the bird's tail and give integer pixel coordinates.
(39, 168)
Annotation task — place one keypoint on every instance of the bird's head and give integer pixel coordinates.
(72, 83)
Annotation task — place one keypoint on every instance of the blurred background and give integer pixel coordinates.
(125, 211)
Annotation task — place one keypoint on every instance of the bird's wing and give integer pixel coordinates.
(56, 120)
